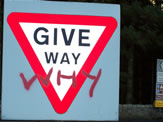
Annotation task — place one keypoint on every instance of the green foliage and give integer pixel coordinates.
(141, 42)
(141, 26)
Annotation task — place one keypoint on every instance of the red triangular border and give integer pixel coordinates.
(110, 23)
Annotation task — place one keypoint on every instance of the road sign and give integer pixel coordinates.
(159, 84)
(62, 51)
(75, 54)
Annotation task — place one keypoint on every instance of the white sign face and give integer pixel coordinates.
(62, 47)
(66, 65)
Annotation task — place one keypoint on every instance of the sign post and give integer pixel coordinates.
(60, 63)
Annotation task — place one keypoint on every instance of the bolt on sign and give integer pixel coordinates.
(60, 61)
(159, 84)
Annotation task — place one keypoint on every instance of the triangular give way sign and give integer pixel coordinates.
(67, 44)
